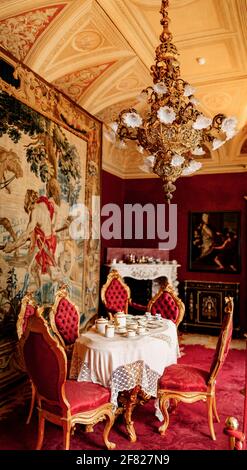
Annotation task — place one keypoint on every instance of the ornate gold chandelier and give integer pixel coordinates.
(172, 131)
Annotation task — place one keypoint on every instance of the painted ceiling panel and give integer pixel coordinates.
(19, 33)
(99, 52)
(75, 83)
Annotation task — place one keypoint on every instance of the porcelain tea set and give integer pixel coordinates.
(125, 324)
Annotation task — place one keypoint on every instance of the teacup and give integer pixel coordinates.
(132, 326)
(131, 333)
(121, 329)
(158, 316)
(148, 315)
(141, 330)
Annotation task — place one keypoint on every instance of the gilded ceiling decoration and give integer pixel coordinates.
(19, 33)
(75, 84)
(216, 100)
(87, 41)
(99, 52)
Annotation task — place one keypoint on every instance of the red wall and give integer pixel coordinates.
(221, 192)
(112, 192)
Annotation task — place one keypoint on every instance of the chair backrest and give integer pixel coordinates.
(46, 364)
(115, 294)
(28, 308)
(168, 304)
(65, 317)
(224, 340)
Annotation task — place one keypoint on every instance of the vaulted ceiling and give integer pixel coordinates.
(99, 52)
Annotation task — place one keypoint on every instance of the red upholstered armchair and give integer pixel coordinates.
(65, 319)
(60, 401)
(28, 309)
(189, 384)
(167, 303)
(115, 295)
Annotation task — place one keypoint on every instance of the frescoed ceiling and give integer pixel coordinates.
(99, 53)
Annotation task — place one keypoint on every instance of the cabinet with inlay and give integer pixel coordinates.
(204, 304)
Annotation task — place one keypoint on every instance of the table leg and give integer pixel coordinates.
(130, 405)
(129, 400)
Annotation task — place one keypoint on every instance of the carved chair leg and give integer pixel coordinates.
(41, 431)
(66, 434)
(164, 411)
(110, 419)
(215, 410)
(210, 401)
(172, 405)
(32, 403)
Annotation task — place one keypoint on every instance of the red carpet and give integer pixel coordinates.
(188, 429)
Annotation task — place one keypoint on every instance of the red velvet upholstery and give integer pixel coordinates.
(166, 306)
(116, 297)
(67, 321)
(94, 395)
(189, 384)
(183, 377)
(61, 401)
(37, 352)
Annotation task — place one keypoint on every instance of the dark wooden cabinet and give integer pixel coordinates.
(204, 305)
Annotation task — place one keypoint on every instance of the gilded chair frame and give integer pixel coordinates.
(169, 289)
(62, 293)
(114, 274)
(65, 420)
(175, 396)
(27, 300)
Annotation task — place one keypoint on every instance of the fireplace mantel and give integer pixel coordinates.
(152, 272)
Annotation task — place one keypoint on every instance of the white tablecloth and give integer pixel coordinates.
(121, 363)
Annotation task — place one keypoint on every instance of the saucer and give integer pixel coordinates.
(153, 325)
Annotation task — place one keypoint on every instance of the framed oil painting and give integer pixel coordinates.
(214, 242)
(50, 157)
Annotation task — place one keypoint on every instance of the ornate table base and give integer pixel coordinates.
(128, 400)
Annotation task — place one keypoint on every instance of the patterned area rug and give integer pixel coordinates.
(188, 429)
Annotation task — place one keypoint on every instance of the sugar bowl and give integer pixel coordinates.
(101, 324)
(109, 330)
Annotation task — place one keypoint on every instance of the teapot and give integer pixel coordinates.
(101, 324)
(120, 319)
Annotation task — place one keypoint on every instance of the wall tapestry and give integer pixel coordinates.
(50, 155)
